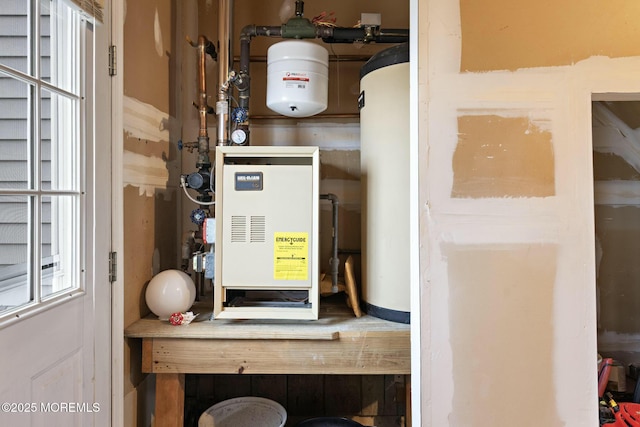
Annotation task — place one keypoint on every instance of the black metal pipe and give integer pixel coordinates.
(246, 34)
(350, 35)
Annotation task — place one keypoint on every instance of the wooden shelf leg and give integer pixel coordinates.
(169, 400)
(407, 388)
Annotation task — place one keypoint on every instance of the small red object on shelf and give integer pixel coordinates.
(176, 319)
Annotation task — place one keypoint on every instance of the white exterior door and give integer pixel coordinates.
(55, 217)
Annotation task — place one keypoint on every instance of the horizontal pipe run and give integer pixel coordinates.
(315, 117)
(332, 58)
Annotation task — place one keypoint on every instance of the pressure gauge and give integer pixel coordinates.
(239, 136)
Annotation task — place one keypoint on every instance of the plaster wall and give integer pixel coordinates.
(150, 176)
(507, 237)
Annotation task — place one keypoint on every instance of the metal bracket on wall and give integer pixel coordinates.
(113, 64)
(113, 266)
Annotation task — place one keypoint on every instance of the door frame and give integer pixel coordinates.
(115, 10)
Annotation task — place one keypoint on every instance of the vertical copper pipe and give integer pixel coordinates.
(224, 40)
(204, 46)
(202, 86)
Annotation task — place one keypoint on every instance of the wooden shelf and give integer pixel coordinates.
(336, 343)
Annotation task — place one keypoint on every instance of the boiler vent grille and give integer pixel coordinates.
(238, 229)
(258, 229)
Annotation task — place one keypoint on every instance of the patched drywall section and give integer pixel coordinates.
(565, 380)
(150, 171)
(502, 157)
(501, 311)
(503, 35)
(151, 162)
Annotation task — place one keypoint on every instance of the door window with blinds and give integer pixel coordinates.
(42, 148)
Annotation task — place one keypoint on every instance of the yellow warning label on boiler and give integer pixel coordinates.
(290, 256)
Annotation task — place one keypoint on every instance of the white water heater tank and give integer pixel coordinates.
(384, 167)
(297, 78)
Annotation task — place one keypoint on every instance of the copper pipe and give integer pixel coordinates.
(224, 40)
(202, 86)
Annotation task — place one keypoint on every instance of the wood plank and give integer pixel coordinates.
(372, 394)
(305, 395)
(395, 395)
(335, 321)
(147, 355)
(169, 411)
(205, 387)
(342, 394)
(229, 329)
(381, 421)
(230, 386)
(407, 389)
(352, 289)
(367, 353)
(272, 387)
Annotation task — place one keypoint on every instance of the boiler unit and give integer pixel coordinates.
(384, 164)
(266, 247)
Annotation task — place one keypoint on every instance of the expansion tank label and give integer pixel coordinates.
(291, 256)
(295, 80)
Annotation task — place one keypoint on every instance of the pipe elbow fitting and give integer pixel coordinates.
(247, 32)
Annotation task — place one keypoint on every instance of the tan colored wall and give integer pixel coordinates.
(516, 283)
(498, 35)
(150, 175)
(507, 207)
(502, 157)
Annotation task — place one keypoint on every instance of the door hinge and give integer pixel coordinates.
(113, 63)
(113, 266)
